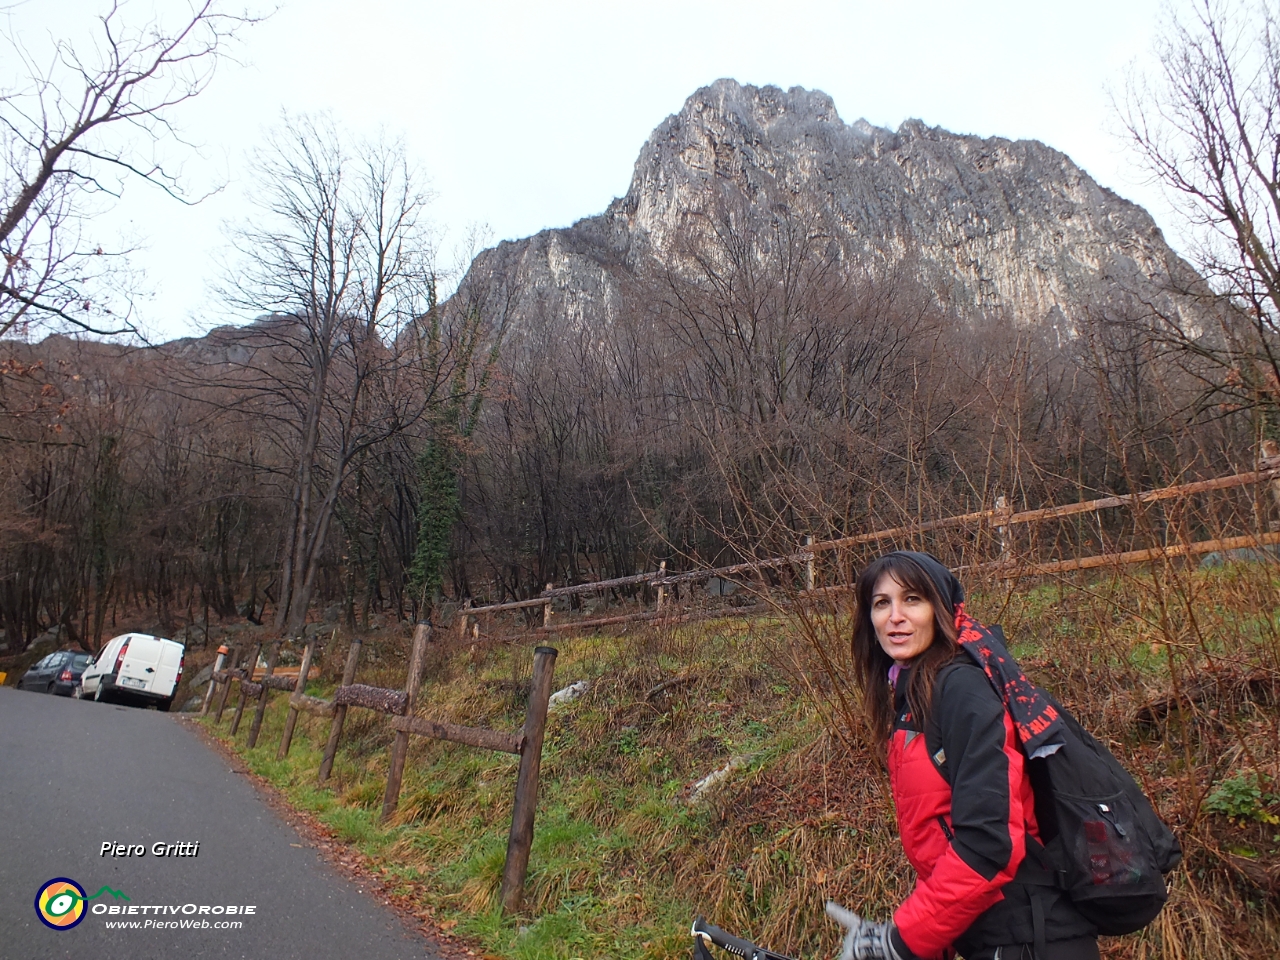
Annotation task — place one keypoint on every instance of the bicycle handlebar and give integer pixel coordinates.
(727, 941)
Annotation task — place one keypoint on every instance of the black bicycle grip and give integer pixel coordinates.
(727, 941)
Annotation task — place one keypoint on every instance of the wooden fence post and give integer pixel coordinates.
(400, 747)
(286, 738)
(806, 548)
(339, 713)
(520, 841)
(1268, 450)
(1003, 531)
(217, 665)
(462, 618)
(256, 727)
(546, 611)
(253, 662)
(662, 587)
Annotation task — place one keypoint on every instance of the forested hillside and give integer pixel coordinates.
(789, 325)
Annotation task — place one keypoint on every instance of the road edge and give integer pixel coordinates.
(341, 856)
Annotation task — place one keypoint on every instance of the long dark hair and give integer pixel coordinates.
(872, 663)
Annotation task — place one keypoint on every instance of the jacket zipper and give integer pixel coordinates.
(942, 822)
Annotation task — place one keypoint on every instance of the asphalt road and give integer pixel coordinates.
(77, 774)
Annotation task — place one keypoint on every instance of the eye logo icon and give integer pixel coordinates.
(60, 903)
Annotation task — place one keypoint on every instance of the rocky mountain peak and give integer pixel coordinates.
(989, 225)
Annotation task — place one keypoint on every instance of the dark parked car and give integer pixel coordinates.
(57, 673)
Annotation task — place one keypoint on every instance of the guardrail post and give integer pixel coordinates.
(662, 587)
(400, 747)
(806, 549)
(286, 738)
(237, 657)
(520, 841)
(463, 618)
(253, 663)
(546, 611)
(339, 713)
(256, 727)
(217, 665)
(236, 651)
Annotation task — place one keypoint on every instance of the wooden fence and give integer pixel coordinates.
(1001, 518)
(399, 705)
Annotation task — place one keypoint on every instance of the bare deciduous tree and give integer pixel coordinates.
(1207, 126)
(355, 354)
(71, 139)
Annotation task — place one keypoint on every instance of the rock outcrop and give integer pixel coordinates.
(988, 226)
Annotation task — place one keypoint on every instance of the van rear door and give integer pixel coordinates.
(165, 680)
(140, 665)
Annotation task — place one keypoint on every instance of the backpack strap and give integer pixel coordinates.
(1037, 925)
(933, 731)
(1041, 871)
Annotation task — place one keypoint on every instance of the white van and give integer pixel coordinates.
(135, 667)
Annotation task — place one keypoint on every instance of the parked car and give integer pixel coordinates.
(57, 673)
(135, 668)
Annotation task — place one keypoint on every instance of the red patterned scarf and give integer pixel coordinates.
(1036, 720)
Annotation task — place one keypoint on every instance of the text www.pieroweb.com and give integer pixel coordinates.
(185, 924)
(187, 916)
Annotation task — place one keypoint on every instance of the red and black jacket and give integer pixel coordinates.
(965, 811)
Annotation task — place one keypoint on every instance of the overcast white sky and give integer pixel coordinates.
(530, 114)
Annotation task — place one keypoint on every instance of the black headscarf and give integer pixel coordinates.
(949, 587)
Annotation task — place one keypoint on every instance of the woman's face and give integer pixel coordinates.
(903, 619)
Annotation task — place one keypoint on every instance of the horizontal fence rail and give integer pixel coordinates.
(1000, 517)
(1014, 570)
(1270, 470)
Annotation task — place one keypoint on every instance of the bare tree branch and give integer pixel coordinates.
(74, 127)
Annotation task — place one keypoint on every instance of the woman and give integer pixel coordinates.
(966, 811)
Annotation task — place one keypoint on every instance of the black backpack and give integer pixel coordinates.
(1103, 844)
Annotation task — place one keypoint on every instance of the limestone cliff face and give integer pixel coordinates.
(988, 225)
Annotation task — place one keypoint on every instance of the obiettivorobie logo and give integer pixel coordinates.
(60, 902)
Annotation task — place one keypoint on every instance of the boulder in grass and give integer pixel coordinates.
(1267, 553)
(569, 694)
(719, 587)
(202, 677)
(703, 788)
